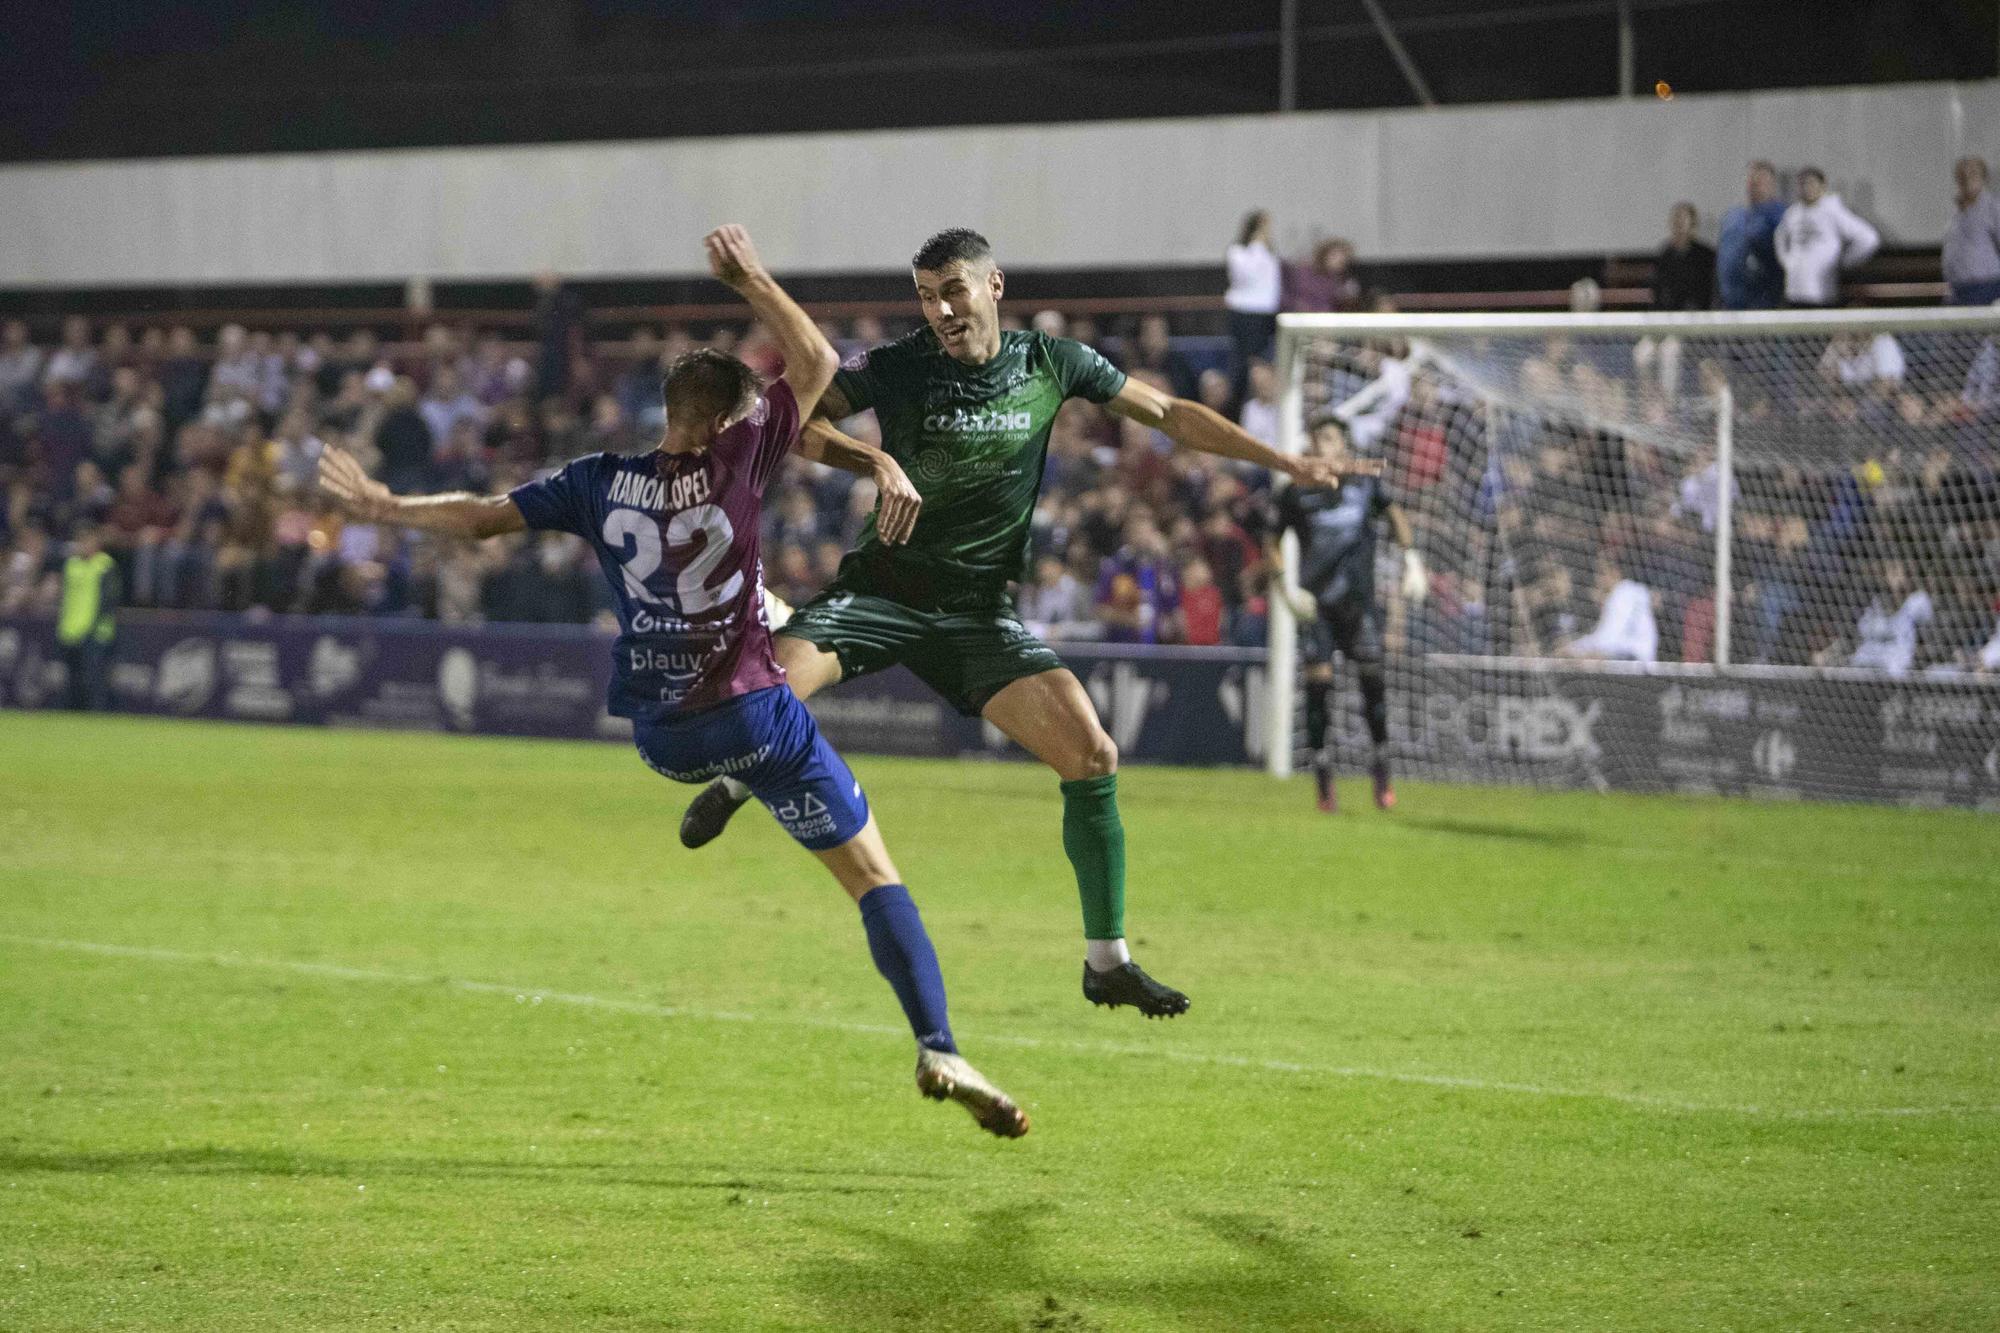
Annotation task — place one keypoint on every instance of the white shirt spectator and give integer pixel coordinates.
(1368, 413)
(1625, 631)
(1972, 246)
(70, 365)
(241, 375)
(1054, 611)
(441, 414)
(1255, 279)
(1701, 496)
(1858, 367)
(1889, 638)
(20, 369)
(1259, 420)
(1982, 379)
(298, 462)
(1989, 656)
(1817, 240)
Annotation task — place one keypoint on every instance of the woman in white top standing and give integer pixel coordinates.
(1255, 278)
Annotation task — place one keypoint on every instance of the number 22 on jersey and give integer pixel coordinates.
(635, 538)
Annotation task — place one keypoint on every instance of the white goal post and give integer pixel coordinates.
(1807, 502)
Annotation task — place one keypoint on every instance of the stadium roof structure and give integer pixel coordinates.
(127, 78)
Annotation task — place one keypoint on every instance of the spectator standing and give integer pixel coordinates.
(1684, 273)
(1747, 276)
(183, 378)
(1972, 246)
(1256, 281)
(75, 362)
(1259, 417)
(404, 439)
(86, 621)
(558, 325)
(1818, 237)
(1154, 351)
(20, 366)
(66, 436)
(1326, 284)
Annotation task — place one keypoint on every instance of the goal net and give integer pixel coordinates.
(1754, 553)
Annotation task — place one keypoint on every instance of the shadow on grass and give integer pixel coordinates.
(1018, 1268)
(279, 1162)
(1482, 828)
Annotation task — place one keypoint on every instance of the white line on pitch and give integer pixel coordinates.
(537, 994)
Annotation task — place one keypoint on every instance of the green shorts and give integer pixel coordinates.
(966, 656)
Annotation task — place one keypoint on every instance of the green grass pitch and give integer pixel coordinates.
(317, 1030)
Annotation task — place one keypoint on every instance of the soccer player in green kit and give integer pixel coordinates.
(965, 411)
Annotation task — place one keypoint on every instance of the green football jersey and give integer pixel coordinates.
(973, 440)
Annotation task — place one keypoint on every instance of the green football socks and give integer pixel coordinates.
(1095, 841)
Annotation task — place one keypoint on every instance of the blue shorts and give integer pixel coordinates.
(767, 741)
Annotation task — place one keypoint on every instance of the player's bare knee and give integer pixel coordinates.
(862, 862)
(1100, 758)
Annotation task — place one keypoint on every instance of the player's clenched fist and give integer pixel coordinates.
(732, 257)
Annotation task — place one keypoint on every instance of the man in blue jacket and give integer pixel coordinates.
(1747, 275)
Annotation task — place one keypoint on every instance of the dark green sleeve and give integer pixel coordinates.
(1083, 372)
(857, 381)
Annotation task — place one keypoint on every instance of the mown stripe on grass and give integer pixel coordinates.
(541, 994)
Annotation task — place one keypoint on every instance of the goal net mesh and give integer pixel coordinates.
(1794, 503)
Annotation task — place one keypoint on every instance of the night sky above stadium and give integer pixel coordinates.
(127, 78)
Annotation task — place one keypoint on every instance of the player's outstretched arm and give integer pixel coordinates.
(1193, 426)
(897, 500)
(458, 514)
(809, 358)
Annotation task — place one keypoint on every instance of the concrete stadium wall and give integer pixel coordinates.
(1506, 181)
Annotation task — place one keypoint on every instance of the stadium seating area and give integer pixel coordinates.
(196, 458)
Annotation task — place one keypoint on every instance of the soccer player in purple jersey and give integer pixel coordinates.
(676, 533)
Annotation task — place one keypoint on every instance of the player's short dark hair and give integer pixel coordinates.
(709, 383)
(952, 245)
(1813, 172)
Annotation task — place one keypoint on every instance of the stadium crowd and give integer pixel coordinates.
(192, 464)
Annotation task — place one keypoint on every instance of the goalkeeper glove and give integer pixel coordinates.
(1416, 580)
(1304, 607)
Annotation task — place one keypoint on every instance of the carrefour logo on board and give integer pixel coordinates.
(961, 420)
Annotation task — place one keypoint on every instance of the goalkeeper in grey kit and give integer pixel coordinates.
(1335, 600)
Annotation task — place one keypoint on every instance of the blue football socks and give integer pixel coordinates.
(904, 956)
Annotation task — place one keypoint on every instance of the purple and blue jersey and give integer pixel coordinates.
(677, 538)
